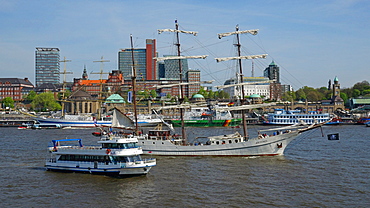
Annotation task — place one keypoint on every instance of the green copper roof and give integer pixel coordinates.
(115, 98)
(272, 63)
(198, 96)
(254, 96)
(336, 79)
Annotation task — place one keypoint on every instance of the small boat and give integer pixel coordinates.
(40, 126)
(367, 124)
(116, 156)
(363, 120)
(290, 117)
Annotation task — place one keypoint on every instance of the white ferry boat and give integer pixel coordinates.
(117, 156)
(290, 117)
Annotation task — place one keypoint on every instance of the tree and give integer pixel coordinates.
(300, 94)
(30, 96)
(153, 93)
(356, 93)
(8, 102)
(366, 93)
(289, 96)
(223, 95)
(45, 102)
(344, 96)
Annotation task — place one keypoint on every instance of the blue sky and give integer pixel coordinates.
(311, 41)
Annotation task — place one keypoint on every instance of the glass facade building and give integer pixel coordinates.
(125, 63)
(145, 65)
(172, 70)
(47, 66)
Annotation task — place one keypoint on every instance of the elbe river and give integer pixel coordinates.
(314, 172)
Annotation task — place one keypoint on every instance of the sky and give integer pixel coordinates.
(311, 41)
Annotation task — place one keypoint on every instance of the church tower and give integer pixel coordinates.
(336, 99)
(336, 87)
(84, 74)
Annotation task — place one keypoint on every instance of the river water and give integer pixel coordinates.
(314, 172)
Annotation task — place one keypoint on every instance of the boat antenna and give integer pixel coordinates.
(134, 84)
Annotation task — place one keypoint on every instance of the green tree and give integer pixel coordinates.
(66, 95)
(300, 94)
(223, 95)
(356, 92)
(30, 96)
(153, 93)
(8, 102)
(289, 96)
(344, 96)
(45, 102)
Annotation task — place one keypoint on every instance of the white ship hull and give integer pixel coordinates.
(268, 146)
(119, 169)
(73, 123)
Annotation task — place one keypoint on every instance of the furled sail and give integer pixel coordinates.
(253, 32)
(179, 31)
(180, 57)
(241, 57)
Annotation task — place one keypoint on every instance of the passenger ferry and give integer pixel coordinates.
(290, 117)
(117, 156)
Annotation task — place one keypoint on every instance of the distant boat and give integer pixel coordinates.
(363, 120)
(290, 117)
(75, 121)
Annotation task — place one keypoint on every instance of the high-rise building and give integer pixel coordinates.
(172, 69)
(145, 65)
(272, 72)
(151, 63)
(47, 66)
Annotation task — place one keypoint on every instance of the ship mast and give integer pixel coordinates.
(101, 83)
(133, 78)
(64, 82)
(239, 58)
(179, 57)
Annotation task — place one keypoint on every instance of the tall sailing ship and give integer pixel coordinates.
(166, 142)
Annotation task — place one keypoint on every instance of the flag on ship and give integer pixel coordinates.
(333, 136)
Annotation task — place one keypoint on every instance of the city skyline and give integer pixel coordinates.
(311, 42)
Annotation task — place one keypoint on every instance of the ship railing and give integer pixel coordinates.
(150, 160)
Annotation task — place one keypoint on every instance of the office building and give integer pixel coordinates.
(272, 72)
(47, 66)
(145, 64)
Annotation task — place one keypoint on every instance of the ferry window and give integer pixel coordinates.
(217, 142)
(153, 142)
(230, 142)
(236, 141)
